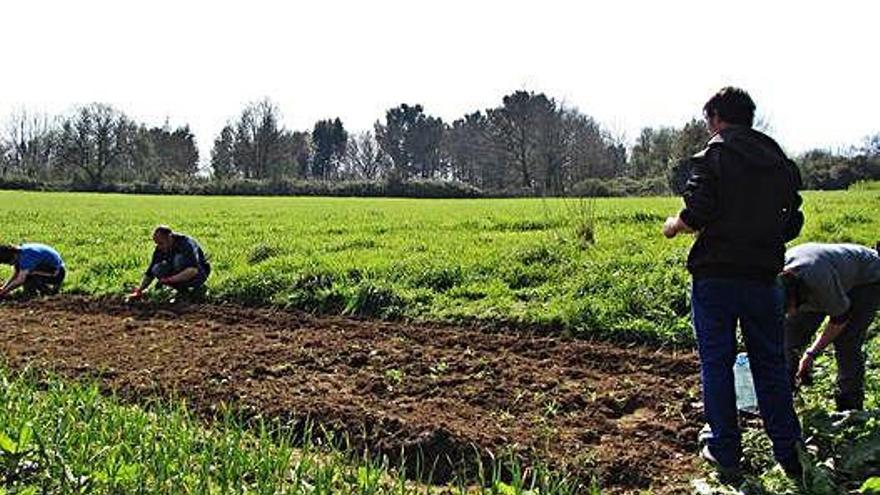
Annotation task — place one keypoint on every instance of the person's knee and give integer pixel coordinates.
(161, 270)
(179, 263)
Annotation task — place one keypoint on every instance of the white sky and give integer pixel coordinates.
(810, 66)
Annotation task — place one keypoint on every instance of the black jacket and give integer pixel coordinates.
(742, 197)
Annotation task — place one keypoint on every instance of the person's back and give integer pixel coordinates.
(39, 257)
(39, 269)
(741, 199)
(838, 267)
(748, 211)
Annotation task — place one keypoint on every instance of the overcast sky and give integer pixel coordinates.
(810, 66)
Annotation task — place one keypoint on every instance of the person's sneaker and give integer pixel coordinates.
(728, 475)
(704, 435)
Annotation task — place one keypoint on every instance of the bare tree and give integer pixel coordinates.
(29, 139)
(5, 164)
(364, 159)
(594, 153)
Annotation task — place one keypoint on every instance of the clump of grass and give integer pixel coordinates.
(370, 300)
(314, 290)
(437, 278)
(261, 253)
(647, 217)
(581, 213)
(542, 254)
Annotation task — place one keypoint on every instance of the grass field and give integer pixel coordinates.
(588, 266)
(585, 267)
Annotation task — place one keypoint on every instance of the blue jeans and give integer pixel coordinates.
(718, 304)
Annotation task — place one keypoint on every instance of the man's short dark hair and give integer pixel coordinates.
(8, 253)
(731, 105)
(163, 230)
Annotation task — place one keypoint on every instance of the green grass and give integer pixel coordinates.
(597, 267)
(588, 267)
(67, 438)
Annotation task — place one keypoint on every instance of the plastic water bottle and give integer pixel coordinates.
(744, 385)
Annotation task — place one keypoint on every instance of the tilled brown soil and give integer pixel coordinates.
(624, 414)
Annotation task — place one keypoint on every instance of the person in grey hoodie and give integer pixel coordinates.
(842, 282)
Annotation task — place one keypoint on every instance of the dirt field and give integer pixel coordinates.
(627, 414)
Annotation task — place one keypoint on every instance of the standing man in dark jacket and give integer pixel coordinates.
(742, 201)
(178, 262)
(842, 282)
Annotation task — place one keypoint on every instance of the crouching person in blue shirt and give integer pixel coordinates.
(178, 262)
(39, 269)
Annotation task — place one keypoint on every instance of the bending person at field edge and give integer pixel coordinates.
(39, 269)
(842, 282)
(178, 262)
(742, 199)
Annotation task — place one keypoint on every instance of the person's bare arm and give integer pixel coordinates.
(14, 282)
(832, 330)
(138, 292)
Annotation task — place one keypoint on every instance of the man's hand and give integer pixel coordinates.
(671, 227)
(805, 368)
(135, 295)
(674, 225)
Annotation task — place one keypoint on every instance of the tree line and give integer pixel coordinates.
(94, 144)
(529, 144)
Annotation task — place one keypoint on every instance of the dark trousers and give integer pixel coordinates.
(718, 305)
(40, 284)
(800, 329)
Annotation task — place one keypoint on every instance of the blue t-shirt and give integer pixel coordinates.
(34, 256)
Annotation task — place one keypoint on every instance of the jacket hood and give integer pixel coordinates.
(754, 146)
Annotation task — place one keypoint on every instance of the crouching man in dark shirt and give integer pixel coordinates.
(178, 262)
